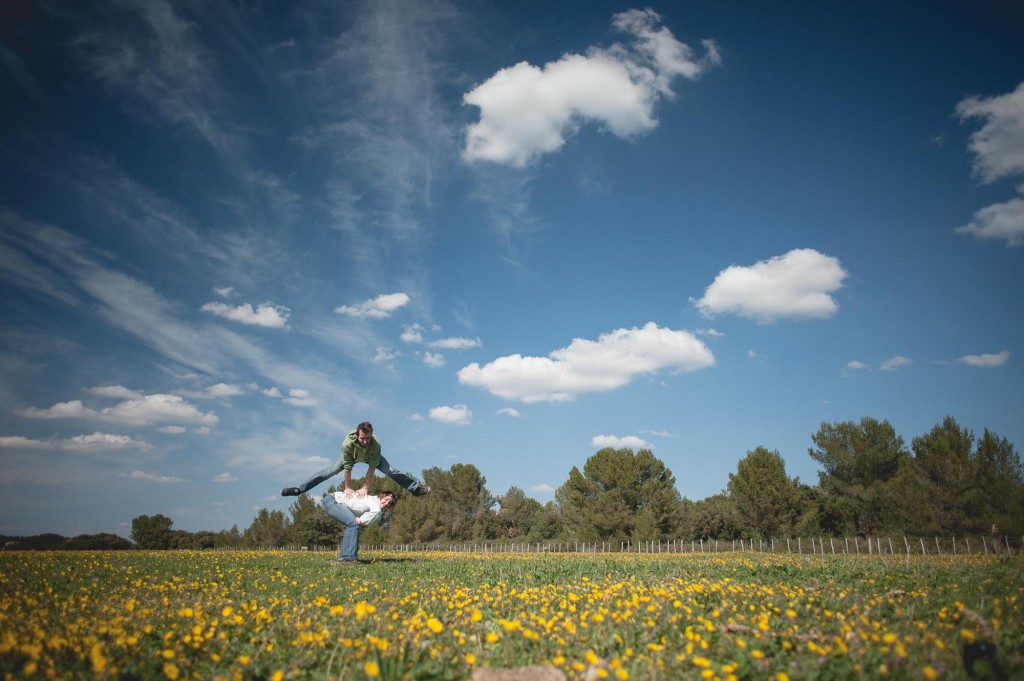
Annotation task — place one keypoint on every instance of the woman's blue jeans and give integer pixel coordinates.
(350, 541)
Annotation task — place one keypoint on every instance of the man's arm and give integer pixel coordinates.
(366, 482)
(348, 481)
(372, 461)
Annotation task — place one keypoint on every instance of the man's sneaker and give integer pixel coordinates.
(348, 561)
(422, 490)
(290, 492)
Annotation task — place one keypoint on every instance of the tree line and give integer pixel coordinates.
(947, 482)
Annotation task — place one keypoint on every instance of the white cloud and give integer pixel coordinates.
(62, 410)
(19, 442)
(998, 148)
(380, 307)
(96, 442)
(117, 391)
(224, 291)
(265, 314)
(384, 354)
(433, 360)
(616, 442)
(224, 390)
(459, 414)
(148, 410)
(173, 430)
(412, 333)
(300, 398)
(796, 284)
(854, 364)
(526, 111)
(894, 363)
(542, 488)
(224, 477)
(508, 411)
(455, 343)
(999, 221)
(587, 366)
(986, 360)
(272, 392)
(142, 476)
(102, 442)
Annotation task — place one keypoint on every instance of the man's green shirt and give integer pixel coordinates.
(352, 453)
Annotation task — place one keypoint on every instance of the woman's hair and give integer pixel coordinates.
(394, 497)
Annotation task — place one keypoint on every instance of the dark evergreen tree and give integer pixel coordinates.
(605, 500)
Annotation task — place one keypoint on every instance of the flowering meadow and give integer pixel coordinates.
(439, 615)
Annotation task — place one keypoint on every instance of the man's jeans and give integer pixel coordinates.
(350, 542)
(402, 478)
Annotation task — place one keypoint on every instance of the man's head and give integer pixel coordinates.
(387, 499)
(364, 433)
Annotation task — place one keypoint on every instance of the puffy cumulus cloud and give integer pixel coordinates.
(412, 333)
(796, 284)
(144, 411)
(433, 360)
(508, 411)
(526, 111)
(459, 414)
(999, 221)
(19, 442)
(102, 442)
(143, 476)
(224, 390)
(998, 147)
(588, 366)
(986, 360)
(455, 343)
(116, 391)
(96, 442)
(616, 442)
(378, 308)
(856, 365)
(298, 397)
(895, 362)
(542, 488)
(265, 314)
(224, 477)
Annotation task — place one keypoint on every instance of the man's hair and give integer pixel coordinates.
(366, 427)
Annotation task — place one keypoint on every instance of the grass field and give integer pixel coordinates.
(287, 615)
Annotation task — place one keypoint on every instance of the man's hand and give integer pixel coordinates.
(361, 492)
(349, 491)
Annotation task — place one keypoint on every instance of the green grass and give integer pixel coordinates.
(249, 615)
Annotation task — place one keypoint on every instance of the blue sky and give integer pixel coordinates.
(506, 234)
